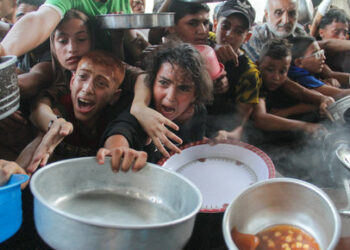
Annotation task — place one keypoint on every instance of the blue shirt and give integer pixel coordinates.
(304, 77)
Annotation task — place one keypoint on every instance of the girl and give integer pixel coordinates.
(179, 80)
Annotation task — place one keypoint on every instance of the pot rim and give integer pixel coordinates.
(16, 180)
(38, 197)
(10, 60)
(318, 191)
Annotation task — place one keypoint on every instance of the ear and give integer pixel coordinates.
(248, 36)
(115, 97)
(321, 32)
(72, 81)
(215, 25)
(266, 14)
(298, 62)
(171, 29)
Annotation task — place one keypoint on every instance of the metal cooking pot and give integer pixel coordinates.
(284, 201)
(338, 109)
(136, 21)
(79, 204)
(9, 90)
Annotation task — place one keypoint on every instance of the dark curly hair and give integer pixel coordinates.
(333, 15)
(190, 60)
(276, 49)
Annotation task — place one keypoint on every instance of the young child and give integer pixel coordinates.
(178, 79)
(274, 62)
(335, 24)
(191, 23)
(230, 111)
(94, 89)
(308, 60)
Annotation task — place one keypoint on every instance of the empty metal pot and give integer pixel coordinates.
(79, 204)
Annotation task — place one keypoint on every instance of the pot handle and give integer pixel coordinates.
(346, 211)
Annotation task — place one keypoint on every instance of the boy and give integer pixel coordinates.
(235, 19)
(94, 90)
(274, 62)
(335, 24)
(307, 60)
(191, 23)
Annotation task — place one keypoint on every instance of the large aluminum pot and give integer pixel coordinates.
(9, 90)
(79, 204)
(284, 201)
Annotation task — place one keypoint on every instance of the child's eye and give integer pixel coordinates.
(185, 88)
(101, 84)
(163, 82)
(62, 40)
(82, 76)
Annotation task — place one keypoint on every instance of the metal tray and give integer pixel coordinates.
(136, 21)
(338, 109)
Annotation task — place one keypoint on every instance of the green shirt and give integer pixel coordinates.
(90, 7)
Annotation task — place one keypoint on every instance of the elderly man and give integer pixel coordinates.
(281, 22)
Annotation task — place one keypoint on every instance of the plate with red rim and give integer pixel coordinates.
(221, 171)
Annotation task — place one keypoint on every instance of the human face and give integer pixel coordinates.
(23, 9)
(281, 17)
(137, 6)
(71, 41)
(173, 92)
(334, 30)
(274, 71)
(193, 29)
(313, 60)
(7, 8)
(232, 30)
(92, 89)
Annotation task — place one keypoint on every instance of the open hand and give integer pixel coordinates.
(57, 132)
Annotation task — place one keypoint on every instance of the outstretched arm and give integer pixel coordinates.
(152, 121)
(30, 31)
(123, 157)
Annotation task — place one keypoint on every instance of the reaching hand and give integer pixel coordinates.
(226, 53)
(57, 132)
(123, 158)
(323, 107)
(155, 126)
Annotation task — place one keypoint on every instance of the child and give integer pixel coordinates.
(94, 89)
(274, 62)
(234, 107)
(335, 24)
(178, 80)
(191, 22)
(308, 60)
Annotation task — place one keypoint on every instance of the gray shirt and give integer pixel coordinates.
(262, 34)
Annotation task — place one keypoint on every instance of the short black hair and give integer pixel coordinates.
(31, 2)
(276, 49)
(300, 45)
(182, 9)
(333, 15)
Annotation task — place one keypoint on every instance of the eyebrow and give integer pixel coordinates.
(166, 79)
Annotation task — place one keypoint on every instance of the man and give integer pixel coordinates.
(281, 22)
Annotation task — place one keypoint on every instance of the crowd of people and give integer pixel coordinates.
(138, 95)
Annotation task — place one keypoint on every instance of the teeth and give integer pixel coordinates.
(84, 101)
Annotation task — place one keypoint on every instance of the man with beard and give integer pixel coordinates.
(281, 22)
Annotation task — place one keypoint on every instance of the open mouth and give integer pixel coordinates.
(167, 111)
(84, 105)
